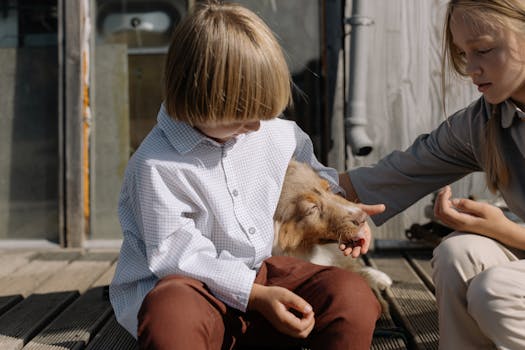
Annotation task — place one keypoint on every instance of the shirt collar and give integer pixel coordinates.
(509, 110)
(182, 136)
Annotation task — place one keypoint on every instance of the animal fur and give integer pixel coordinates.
(311, 221)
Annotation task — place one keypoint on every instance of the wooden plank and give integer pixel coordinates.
(79, 274)
(420, 261)
(106, 277)
(73, 124)
(61, 34)
(10, 261)
(101, 255)
(412, 303)
(389, 342)
(8, 302)
(27, 318)
(387, 335)
(385, 322)
(113, 337)
(76, 124)
(74, 327)
(29, 277)
(58, 255)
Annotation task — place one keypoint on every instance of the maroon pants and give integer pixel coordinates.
(181, 313)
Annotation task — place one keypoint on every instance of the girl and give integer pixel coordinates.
(479, 270)
(195, 269)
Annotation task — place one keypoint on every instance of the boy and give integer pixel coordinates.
(196, 207)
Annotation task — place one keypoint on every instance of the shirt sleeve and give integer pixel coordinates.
(305, 153)
(431, 162)
(175, 246)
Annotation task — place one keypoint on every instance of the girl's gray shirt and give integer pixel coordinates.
(443, 156)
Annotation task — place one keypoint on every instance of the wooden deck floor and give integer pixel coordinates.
(54, 300)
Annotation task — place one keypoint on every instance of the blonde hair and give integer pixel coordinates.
(224, 64)
(498, 13)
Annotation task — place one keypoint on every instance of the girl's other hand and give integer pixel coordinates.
(467, 215)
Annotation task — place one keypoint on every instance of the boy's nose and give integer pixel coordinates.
(252, 126)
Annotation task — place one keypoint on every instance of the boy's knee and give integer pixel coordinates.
(347, 312)
(352, 297)
(176, 309)
(174, 298)
(166, 289)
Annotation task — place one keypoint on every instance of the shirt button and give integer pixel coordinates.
(251, 230)
(235, 193)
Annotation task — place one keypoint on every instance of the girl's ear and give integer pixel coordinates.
(289, 239)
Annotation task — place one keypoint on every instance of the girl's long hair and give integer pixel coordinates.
(501, 13)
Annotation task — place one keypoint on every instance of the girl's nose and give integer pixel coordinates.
(472, 68)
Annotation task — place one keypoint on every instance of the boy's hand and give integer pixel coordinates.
(286, 311)
(357, 250)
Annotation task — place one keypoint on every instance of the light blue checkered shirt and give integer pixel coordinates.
(198, 208)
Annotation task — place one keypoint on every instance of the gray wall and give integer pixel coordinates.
(28, 143)
(110, 138)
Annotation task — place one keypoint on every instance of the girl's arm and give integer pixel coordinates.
(434, 160)
(477, 217)
(346, 184)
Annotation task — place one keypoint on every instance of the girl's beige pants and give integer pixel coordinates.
(480, 291)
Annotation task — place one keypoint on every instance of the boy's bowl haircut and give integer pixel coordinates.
(225, 64)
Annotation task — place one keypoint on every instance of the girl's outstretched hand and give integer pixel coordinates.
(286, 311)
(469, 216)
